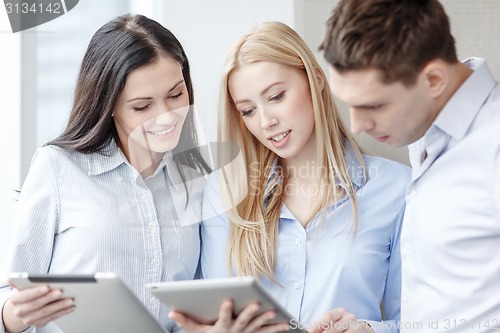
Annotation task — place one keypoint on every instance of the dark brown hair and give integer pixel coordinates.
(398, 37)
(116, 49)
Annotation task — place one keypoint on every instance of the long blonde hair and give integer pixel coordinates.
(254, 209)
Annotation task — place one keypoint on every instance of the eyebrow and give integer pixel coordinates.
(263, 92)
(175, 86)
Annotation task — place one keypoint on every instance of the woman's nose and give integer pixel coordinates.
(267, 119)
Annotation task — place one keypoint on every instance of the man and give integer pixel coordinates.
(393, 62)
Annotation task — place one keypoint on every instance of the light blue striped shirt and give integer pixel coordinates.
(321, 266)
(86, 213)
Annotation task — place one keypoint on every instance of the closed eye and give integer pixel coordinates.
(247, 112)
(371, 107)
(143, 108)
(176, 96)
(376, 107)
(277, 98)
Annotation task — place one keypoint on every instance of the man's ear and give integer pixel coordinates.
(436, 77)
(321, 79)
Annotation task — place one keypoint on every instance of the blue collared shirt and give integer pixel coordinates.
(451, 234)
(321, 266)
(86, 213)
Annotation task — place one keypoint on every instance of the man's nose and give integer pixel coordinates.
(360, 122)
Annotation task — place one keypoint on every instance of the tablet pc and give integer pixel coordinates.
(201, 299)
(103, 303)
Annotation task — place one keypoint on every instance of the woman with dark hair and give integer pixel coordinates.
(120, 189)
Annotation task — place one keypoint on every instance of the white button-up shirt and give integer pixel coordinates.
(451, 230)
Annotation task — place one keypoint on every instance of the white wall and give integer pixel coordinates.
(10, 135)
(476, 27)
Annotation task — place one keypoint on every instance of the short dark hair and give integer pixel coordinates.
(116, 49)
(398, 37)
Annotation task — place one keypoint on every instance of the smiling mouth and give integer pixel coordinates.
(280, 137)
(163, 131)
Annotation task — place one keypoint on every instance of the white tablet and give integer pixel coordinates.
(103, 303)
(201, 299)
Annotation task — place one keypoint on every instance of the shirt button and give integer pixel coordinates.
(144, 196)
(119, 179)
(404, 298)
(296, 285)
(298, 241)
(412, 194)
(151, 225)
(155, 262)
(152, 300)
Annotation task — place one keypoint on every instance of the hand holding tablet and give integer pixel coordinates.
(103, 303)
(201, 300)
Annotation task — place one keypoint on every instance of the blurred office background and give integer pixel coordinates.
(38, 67)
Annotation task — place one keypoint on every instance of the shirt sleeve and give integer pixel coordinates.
(35, 221)
(392, 291)
(214, 232)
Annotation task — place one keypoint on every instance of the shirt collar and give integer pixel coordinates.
(356, 170)
(108, 159)
(468, 100)
(112, 157)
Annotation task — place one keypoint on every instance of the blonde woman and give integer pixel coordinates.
(306, 212)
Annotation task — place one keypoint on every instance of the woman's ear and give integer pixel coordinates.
(435, 74)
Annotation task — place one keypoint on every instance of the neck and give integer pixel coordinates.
(305, 171)
(458, 73)
(144, 161)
